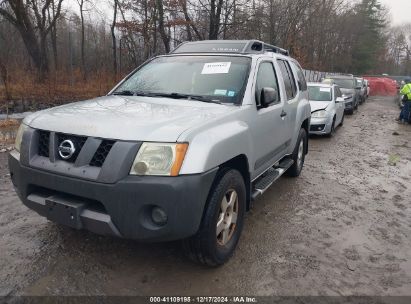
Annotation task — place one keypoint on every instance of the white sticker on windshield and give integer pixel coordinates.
(325, 90)
(216, 68)
(220, 92)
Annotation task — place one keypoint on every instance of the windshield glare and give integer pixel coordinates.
(219, 78)
(317, 93)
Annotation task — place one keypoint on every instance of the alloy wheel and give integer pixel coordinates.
(227, 218)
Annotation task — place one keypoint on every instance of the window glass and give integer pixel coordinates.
(338, 92)
(301, 77)
(219, 78)
(318, 93)
(289, 82)
(266, 78)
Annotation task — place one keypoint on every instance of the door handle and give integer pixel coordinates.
(283, 114)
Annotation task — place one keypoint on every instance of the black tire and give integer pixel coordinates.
(342, 120)
(297, 167)
(332, 132)
(350, 112)
(204, 247)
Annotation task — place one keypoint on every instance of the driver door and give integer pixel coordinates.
(269, 134)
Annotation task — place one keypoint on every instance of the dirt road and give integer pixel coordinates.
(343, 228)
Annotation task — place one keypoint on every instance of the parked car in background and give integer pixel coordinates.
(166, 158)
(347, 84)
(327, 108)
(362, 89)
(368, 90)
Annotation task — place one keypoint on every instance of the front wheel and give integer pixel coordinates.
(298, 155)
(222, 222)
(332, 132)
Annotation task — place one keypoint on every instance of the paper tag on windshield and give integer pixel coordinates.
(216, 68)
(325, 90)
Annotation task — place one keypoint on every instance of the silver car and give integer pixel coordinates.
(327, 107)
(179, 150)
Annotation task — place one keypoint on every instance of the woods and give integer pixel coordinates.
(62, 50)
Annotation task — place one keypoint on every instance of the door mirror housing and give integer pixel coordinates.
(339, 100)
(268, 96)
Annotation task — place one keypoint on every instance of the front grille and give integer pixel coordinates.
(317, 128)
(101, 153)
(98, 158)
(44, 143)
(78, 142)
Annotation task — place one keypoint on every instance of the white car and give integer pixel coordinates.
(327, 108)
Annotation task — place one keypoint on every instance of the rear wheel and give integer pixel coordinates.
(298, 155)
(222, 222)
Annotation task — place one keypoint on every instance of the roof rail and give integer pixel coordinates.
(338, 74)
(228, 46)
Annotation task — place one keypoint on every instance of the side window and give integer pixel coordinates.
(301, 77)
(289, 81)
(338, 92)
(266, 78)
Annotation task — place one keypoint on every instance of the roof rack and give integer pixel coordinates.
(228, 46)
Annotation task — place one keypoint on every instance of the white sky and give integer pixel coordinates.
(400, 10)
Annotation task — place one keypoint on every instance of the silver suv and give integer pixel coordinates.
(178, 150)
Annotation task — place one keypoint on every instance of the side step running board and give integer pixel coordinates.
(264, 182)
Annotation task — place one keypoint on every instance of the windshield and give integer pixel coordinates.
(218, 78)
(344, 83)
(316, 93)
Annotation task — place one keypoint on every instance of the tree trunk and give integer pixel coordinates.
(114, 41)
(161, 29)
(215, 15)
(83, 55)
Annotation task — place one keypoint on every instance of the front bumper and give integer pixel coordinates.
(349, 105)
(321, 126)
(121, 209)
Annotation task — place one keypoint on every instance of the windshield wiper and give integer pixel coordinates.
(124, 93)
(184, 96)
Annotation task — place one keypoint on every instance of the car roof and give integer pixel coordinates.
(339, 77)
(228, 46)
(319, 84)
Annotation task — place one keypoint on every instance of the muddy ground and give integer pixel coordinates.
(343, 228)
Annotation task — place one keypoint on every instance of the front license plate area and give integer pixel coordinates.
(65, 213)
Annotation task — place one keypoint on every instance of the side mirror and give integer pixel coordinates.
(339, 100)
(268, 97)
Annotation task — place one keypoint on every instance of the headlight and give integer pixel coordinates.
(19, 136)
(319, 114)
(159, 159)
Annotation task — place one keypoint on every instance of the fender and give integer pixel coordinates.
(214, 146)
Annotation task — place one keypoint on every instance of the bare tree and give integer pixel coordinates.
(114, 39)
(33, 32)
(161, 29)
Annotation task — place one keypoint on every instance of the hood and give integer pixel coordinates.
(128, 118)
(318, 105)
(348, 91)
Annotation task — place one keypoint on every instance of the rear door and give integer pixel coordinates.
(292, 98)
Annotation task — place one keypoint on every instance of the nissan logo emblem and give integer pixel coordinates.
(67, 149)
